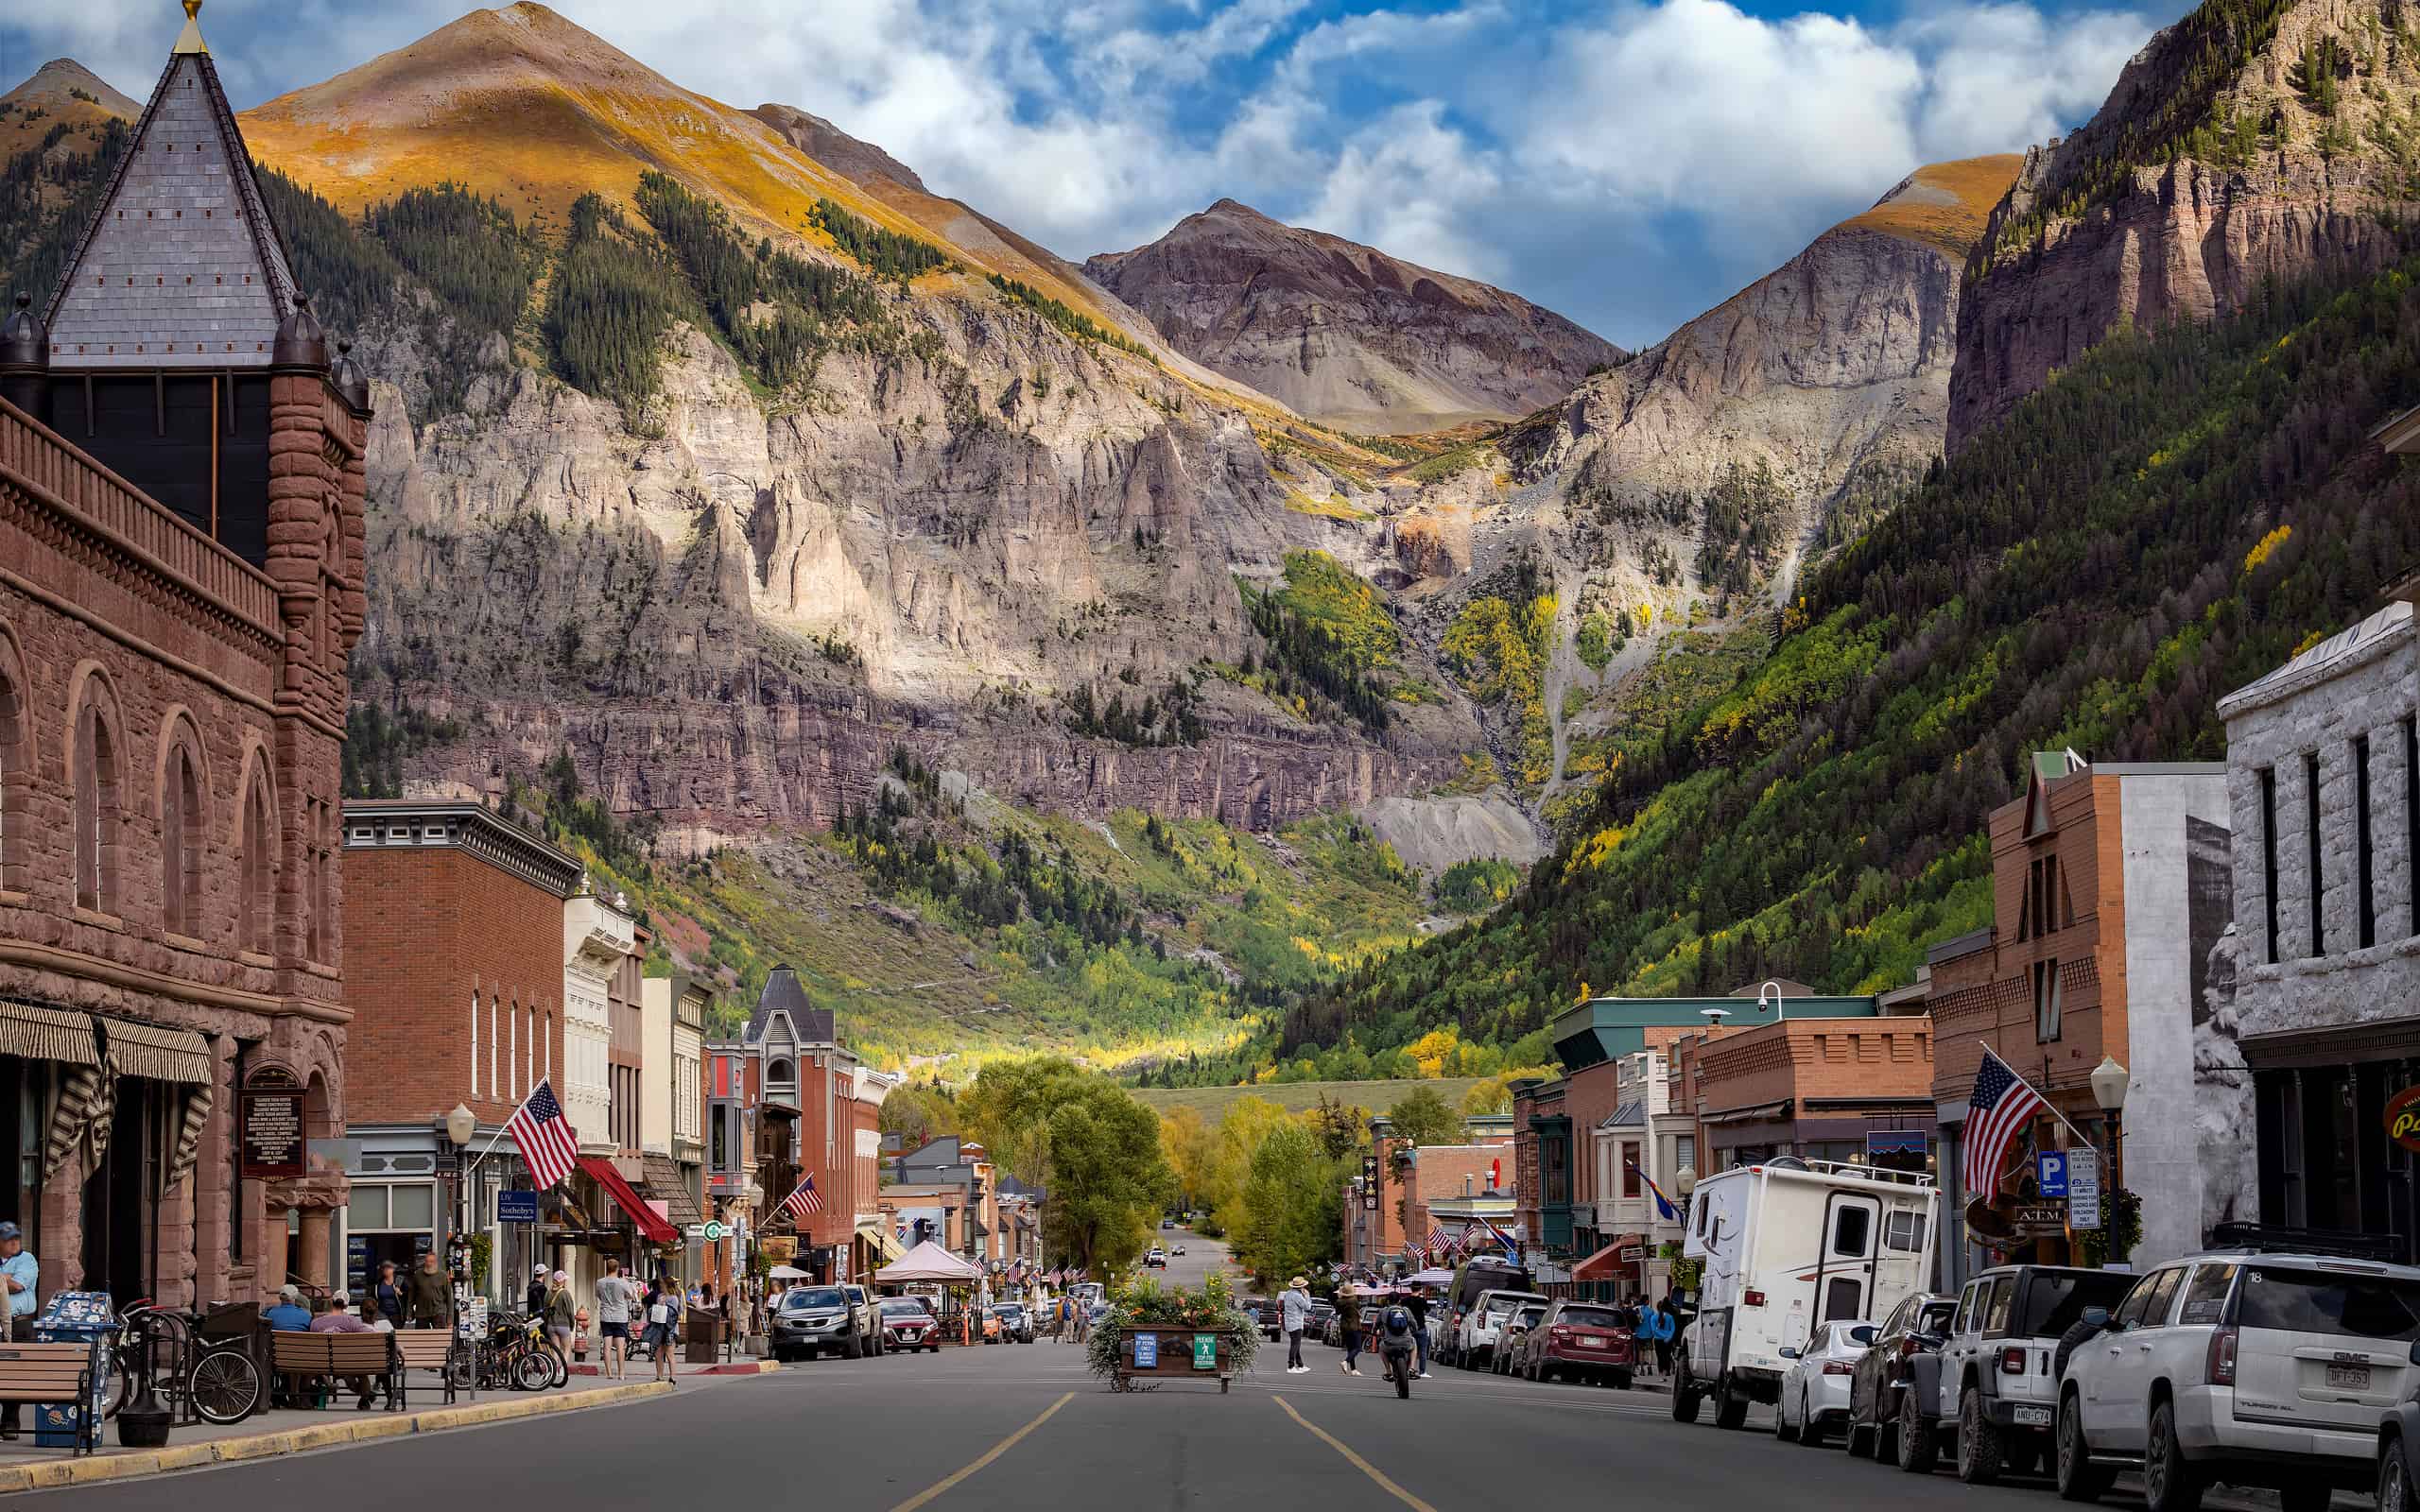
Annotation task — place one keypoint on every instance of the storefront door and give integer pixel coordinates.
(119, 1196)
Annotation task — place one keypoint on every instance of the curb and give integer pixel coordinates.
(95, 1469)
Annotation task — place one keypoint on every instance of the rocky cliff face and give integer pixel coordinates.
(1342, 332)
(2231, 152)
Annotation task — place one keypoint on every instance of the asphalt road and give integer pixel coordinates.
(1023, 1426)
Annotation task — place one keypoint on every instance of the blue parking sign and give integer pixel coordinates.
(2051, 1173)
(1146, 1351)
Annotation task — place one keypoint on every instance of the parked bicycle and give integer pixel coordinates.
(516, 1353)
(215, 1380)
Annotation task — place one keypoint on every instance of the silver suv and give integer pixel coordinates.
(2260, 1369)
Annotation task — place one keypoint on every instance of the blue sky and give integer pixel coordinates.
(1628, 162)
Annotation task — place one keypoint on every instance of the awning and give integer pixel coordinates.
(665, 1185)
(160, 1054)
(31, 1032)
(928, 1261)
(886, 1244)
(651, 1227)
(1605, 1263)
(1753, 1114)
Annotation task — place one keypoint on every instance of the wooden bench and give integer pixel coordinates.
(367, 1357)
(426, 1350)
(54, 1375)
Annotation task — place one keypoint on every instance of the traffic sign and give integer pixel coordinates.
(711, 1230)
(1205, 1352)
(2083, 1189)
(1146, 1351)
(2051, 1173)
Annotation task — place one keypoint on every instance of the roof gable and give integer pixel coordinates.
(783, 995)
(182, 266)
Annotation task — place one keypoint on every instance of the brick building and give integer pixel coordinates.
(1818, 1089)
(180, 530)
(2110, 886)
(455, 953)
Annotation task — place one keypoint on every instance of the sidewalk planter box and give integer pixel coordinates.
(74, 1318)
(1165, 1351)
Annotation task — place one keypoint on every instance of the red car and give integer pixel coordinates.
(907, 1325)
(1581, 1340)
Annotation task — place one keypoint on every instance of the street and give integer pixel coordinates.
(1023, 1426)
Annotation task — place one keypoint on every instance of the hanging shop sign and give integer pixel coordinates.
(2403, 1118)
(271, 1116)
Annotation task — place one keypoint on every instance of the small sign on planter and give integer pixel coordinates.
(1205, 1352)
(1146, 1351)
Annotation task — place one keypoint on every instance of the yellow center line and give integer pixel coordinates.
(995, 1452)
(1356, 1461)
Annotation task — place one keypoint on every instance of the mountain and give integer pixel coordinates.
(65, 90)
(2252, 142)
(1344, 333)
(61, 132)
(864, 164)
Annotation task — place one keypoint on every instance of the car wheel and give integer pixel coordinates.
(1811, 1428)
(1979, 1450)
(2171, 1483)
(1685, 1397)
(1730, 1407)
(2395, 1478)
(1782, 1429)
(1621, 1380)
(1858, 1438)
(2079, 1479)
(1919, 1445)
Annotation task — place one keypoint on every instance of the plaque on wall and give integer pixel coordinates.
(270, 1117)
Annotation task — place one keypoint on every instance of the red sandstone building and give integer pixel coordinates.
(180, 539)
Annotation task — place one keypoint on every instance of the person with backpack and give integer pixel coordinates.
(663, 1315)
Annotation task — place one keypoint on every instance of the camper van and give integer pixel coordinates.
(1788, 1243)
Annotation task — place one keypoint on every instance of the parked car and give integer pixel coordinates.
(1016, 1323)
(1322, 1313)
(1267, 1313)
(2397, 1432)
(1588, 1340)
(865, 1308)
(1472, 1279)
(1488, 1313)
(1992, 1388)
(2250, 1367)
(908, 1324)
(1516, 1328)
(1914, 1331)
(816, 1321)
(1815, 1387)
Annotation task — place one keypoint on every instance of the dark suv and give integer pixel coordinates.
(814, 1320)
(1914, 1331)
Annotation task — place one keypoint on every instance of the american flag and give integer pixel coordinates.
(2002, 1104)
(1440, 1245)
(802, 1202)
(545, 1139)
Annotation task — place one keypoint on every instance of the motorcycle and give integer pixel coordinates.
(1395, 1342)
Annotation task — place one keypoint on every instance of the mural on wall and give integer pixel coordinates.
(2222, 1103)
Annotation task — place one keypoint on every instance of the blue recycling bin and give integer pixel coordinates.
(74, 1318)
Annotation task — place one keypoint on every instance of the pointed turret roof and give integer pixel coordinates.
(181, 267)
(783, 994)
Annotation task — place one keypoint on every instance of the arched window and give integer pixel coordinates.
(257, 897)
(14, 769)
(96, 812)
(181, 842)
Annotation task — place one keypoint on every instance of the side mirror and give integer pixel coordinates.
(1863, 1333)
(2097, 1316)
(1788, 1353)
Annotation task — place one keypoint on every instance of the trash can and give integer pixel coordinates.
(701, 1326)
(74, 1318)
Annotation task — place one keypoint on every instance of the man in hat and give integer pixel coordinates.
(289, 1315)
(20, 1273)
(536, 1295)
(1295, 1313)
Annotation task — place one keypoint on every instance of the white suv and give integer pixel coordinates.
(1490, 1311)
(2262, 1369)
(1997, 1389)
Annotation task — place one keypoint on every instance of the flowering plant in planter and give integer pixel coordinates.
(1143, 1302)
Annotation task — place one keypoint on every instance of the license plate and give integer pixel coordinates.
(2032, 1417)
(2349, 1377)
(1592, 1344)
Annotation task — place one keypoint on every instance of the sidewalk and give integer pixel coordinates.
(289, 1431)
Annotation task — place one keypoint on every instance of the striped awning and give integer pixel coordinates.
(662, 1184)
(160, 1054)
(31, 1032)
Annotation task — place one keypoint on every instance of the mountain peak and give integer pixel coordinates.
(1944, 205)
(64, 86)
(1343, 333)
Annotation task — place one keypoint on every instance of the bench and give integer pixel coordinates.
(54, 1375)
(367, 1357)
(426, 1350)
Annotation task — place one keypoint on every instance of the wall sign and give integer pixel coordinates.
(271, 1116)
(2403, 1118)
(516, 1206)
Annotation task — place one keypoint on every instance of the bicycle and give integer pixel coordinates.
(515, 1353)
(214, 1380)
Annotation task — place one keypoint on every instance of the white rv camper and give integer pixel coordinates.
(1788, 1243)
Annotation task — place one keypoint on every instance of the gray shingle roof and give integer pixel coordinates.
(181, 267)
(783, 994)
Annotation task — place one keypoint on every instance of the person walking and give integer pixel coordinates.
(389, 1294)
(537, 1294)
(560, 1313)
(1295, 1310)
(432, 1295)
(663, 1313)
(1666, 1328)
(614, 1295)
(1348, 1325)
(20, 1276)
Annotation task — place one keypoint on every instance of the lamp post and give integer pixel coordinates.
(460, 1126)
(2109, 1091)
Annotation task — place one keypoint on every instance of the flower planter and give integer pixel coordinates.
(1176, 1353)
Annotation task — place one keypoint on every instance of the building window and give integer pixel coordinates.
(2363, 859)
(2046, 1001)
(2269, 857)
(530, 1056)
(547, 1031)
(511, 1046)
(320, 841)
(474, 1042)
(1685, 1150)
(181, 845)
(2313, 854)
(2041, 913)
(96, 808)
(495, 1011)
(1629, 1170)
(12, 772)
(256, 902)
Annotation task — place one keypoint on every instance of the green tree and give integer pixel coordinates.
(919, 1114)
(1107, 1177)
(1421, 1116)
(1291, 1207)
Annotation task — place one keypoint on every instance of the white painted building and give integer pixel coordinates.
(597, 938)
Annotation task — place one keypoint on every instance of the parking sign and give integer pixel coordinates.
(2051, 1173)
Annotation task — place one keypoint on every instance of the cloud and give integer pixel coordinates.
(1628, 161)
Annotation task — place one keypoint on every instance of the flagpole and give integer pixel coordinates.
(2048, 1105)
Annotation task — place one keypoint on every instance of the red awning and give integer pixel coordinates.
(651, 1224)
(1601, 1265)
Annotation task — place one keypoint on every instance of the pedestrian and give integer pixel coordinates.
(289, 1315)
(536, 1295)
(1665, 1327)
(1295, 1310)
(663, 1313)
(339, 1318)
(560, 1313)
(1417, 1303)
(614, 1295)
(389, 1295)
(22, 1275)
(1348, 1325)
(431, 1295)
(376, 1321)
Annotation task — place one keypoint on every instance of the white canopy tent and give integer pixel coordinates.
(930, 1262)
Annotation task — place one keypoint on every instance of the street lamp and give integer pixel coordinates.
(1769, 995)
(2109, 1091)
(460, 1126)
